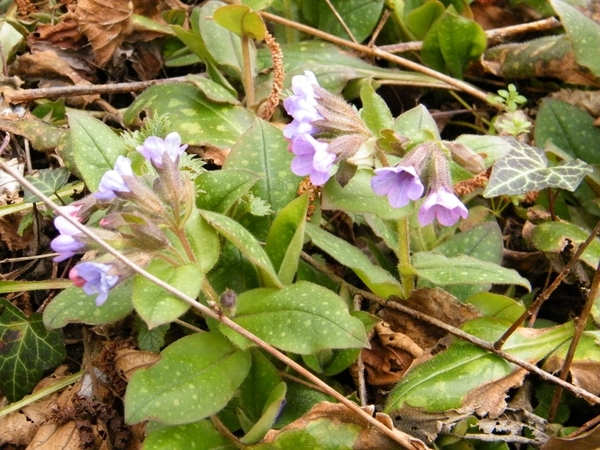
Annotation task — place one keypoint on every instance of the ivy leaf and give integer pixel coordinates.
(74, 306)
(301, 318)
(27, 349)
(187, 386)
(524, 169)
(48, 181)
(463, 269)
(382, 283)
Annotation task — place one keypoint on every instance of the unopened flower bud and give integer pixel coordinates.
(228, 301)
(465, 157)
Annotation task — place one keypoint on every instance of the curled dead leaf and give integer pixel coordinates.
(128, 361)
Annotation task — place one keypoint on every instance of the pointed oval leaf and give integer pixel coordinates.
(379, 281)
(155, 305)
(272, 409)
(221, 189)
(415, 121)
(74, 306)
(248, 245)
(195, 378)
(302, 318)
(178, 437)
(375, 113)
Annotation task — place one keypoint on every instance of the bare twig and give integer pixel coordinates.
(546, 294)
(341, 21)
(455, 331)
(493, 36)
(405, 440)
(377, 53)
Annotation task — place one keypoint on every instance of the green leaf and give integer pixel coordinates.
(46, 180)
(273, 406)
(452, 42)
(157, 306)
(150, 340)
(27, 349)
(286, 238)
(377, 279)
(74, 306)
(263, 150)
(6, 287)
(300, 399)
(443, 382)
(223, 46)
(219, 190)
(420, 20)
(358, 197)
(554, 236)
(375, 113)
(262, 378)
(569, 128)
(583, 34)
(463, 269)
(94, 147)
(484, 242)
(179, 437)
(302, 318)
(524, 169)
(248, 245)
(195, 378)
(241, 20)
(490, 148)
(414, 122)
(232, 261)
(360, 16)
(213, 90)
(198, 120)
(498, 306)
(203, 240)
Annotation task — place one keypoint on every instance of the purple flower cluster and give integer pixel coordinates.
(94, 278)
(112, 182)
(312, 158)
(154, 148)
(66, 243)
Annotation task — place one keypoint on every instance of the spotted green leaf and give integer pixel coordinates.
(360, 16)
(27, 349)
(93, 148)
(445, 381)
(583, 34)
(378, 280)
(195, 377)
(48, 181)
(74, 306)
(414, 122)
(375, 113)
(272, 408)
(203, 240)
(241, 20)
(157, 306)
(178, 437)
(524, 169)
(246, 243)
(302, 318)
(197, 119)
(463, 269)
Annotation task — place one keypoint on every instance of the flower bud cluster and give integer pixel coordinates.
(324, 130)
(141, 211)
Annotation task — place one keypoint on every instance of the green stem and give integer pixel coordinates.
(248, 80)
(404, 267)
(180, 233)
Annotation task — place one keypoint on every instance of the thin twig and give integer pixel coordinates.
(341, 21)
(455, 331)
(493, 36)
(580, 324)
(377, 53)
(546, 294)
(405, 440)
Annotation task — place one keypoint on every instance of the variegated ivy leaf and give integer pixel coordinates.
(524, 169)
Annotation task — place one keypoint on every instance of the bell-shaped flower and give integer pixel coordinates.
(401, 184)
(154, 148)
(302, 106)
(66, 243)
(443, 205)
(94, 278)
(312, 159)
(112, 181)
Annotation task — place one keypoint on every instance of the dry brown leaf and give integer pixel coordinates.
(585, 374)
(390, 355)
(590, 440)
(436, 303)
(336, 414)
(105, 23)
(128, 361)
(64, 34)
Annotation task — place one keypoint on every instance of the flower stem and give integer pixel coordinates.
(248, 81)
(404, 267)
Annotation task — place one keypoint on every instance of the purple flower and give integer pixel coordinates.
(154, 148)
(312, 158)
(302, 106)
(94, 279)
(400, 184)
(442, 205)
(66, 243)
(112, 181)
